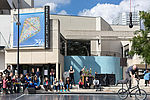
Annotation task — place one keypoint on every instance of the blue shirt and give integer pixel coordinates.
(131, 69)
(147, 76)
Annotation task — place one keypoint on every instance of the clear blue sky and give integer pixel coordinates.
(75, 6)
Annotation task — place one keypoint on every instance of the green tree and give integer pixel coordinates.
(141, 40)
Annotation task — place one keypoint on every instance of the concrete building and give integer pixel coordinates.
(124, 19)
(75, 40)
(5, 27)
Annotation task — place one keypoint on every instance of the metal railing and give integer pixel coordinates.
(106, 53)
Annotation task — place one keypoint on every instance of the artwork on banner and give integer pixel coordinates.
(32, 32)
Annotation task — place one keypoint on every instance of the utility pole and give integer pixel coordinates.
(18, 23)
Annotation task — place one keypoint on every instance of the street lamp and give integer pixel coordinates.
(18, 23)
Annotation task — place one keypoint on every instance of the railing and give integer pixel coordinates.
(106, 53)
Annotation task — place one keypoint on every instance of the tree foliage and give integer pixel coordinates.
(141, 40)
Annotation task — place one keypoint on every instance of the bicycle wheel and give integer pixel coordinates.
(122, 93)
(140, 94)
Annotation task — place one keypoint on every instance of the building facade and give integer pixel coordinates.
(74, 40)
(124, 19)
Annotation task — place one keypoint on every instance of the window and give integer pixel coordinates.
(78, 47)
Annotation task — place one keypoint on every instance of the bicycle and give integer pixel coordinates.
(140, 94)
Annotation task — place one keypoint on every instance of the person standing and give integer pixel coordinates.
(130, 73)
(8, 70)
(32, 73)
(38, 74)
(146, 77)
(52, 76)
(71, 75)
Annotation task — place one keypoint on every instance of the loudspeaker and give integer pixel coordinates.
(102, 79)
(31, 90)
(106, 79)
(111, 79)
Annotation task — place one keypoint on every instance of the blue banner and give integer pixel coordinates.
(32, 32)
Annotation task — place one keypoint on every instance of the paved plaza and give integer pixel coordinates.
(63, 97)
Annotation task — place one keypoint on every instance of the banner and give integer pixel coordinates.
(32, 30)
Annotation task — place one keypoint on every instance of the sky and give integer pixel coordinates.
(107, 9)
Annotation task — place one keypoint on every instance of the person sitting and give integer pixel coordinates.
(46, 84)
(27, 80)
(31, 83)
(36, 83)
(61, 83)
(56, 84)
(95, 83)
(68, 83)
(87, 83)
(80, 84)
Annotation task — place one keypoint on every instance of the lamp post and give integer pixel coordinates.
(18, 23)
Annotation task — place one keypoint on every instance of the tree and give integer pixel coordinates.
(141, 40)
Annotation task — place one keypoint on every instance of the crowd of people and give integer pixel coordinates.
(87, 79)
(10, 83)
(14, 83)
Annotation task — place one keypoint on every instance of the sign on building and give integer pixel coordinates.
(34, 30)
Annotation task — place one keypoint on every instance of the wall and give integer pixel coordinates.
(5, 28)
(111, 46)
(100, 64)
(124, 28)
(35, 55)
(75, 22)
(105, 26)
(2, 60)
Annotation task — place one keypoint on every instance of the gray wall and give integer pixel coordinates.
(5, 28)
(2, 60)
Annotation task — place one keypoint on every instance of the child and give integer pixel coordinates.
(4, 85)
(61, 83)
(146, 77)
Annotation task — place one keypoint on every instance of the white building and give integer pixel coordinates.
(124, 19)
(5, 26)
